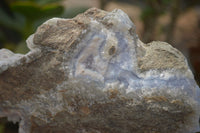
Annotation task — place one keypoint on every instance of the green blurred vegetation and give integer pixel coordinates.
(153, 9)
(20, 19)
(1, 128)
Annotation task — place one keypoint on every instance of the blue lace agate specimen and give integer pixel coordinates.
(92, 74)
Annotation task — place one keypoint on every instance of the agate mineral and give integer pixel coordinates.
(91, 74)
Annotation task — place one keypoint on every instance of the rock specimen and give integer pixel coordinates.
(91, 74)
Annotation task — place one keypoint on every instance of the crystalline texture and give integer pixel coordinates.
(92, 74)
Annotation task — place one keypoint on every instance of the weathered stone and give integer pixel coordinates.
(92, 74)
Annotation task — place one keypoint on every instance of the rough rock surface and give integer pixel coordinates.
(91, 74)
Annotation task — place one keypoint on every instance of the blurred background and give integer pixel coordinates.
(174, 21)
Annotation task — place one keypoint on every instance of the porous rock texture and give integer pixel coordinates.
(91, 74)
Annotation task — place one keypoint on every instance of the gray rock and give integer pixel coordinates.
(92, 74)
